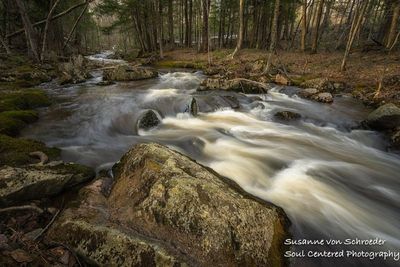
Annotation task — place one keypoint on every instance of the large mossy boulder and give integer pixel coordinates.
(164, 209)
(18, 184)
(385, 117)
(129, 73)
(238, 85)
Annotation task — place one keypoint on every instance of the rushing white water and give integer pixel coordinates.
(332, 181)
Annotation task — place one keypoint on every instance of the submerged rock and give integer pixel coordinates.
(385, 117)
(129, 73)
(287, 115)
(19, 184)
(148, 120)
(239, 85)
(166, 210)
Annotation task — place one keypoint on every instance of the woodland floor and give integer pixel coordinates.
(364, 69)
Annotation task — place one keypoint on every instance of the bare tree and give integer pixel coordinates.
(75, 24)
(206, 8)
(46, 29)
(274, 35)
(394, 23)
(30, 32)
(316, 26)
(241, 29)
(304, 26)
(358, 18)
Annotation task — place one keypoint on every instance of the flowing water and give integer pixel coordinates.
(333, 182)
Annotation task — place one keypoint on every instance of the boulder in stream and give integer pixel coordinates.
(385, 117)
(282, 79)
(321, 84)
(148, 120)
(238, 85)
(25, 183)
(287, 115)
(165, 209)
(129, 73)
(323, 97)
(193, 107)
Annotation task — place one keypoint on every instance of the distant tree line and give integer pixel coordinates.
(156, 25)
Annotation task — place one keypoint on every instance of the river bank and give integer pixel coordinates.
(365, 71)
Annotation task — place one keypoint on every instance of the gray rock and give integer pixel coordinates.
(323, 97)
(308, 92)
(148, 120)
(194, 108)
(322, 84)
(36, 182)
(239, 85)
(287, 115)
(384, 117)
(166, 210)
(129, 73)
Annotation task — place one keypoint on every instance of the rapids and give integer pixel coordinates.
(332, 181)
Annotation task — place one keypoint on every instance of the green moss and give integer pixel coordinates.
(23, 99)
(27, 116)
(15, 151)
(12, 122)
(180, 64)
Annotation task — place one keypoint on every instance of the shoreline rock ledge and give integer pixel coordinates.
(165, 209)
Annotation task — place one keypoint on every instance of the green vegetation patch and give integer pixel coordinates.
(12, 122)
(180, 64)
(23, 99)
(15, 151)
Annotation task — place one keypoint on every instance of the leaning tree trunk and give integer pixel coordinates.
(241, 29)
(46, 29)
(314, 45)
(29, 30)
(75, 25)
(394, 24)
(274, 35)
(353, 31)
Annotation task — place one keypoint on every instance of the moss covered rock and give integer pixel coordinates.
(239, 85)
(385, 117)
(164, 209)
(12, 122)
(129, 73)
(15, 151)
(23, 99)
(18, 184)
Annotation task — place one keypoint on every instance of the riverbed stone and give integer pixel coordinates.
(129, 73)
(323, 97)
(148, 120)
(308, 92)
(167, 210)
(239, 85)
(287, 115)
(25, 183)
(385, 117)
(322, 84)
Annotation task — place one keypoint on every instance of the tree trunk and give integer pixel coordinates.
(46, 29)
(4, 44)
(186, 10)
(75, 25)
(160, 31)
(354, 29)
(204, 41)
(304, 26)
(394, 24)
(29, 30)
(314, 45)
(274, 35)
(190, 22)
(171, 23)
(241, 29)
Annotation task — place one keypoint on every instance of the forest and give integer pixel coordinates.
(200, 133)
